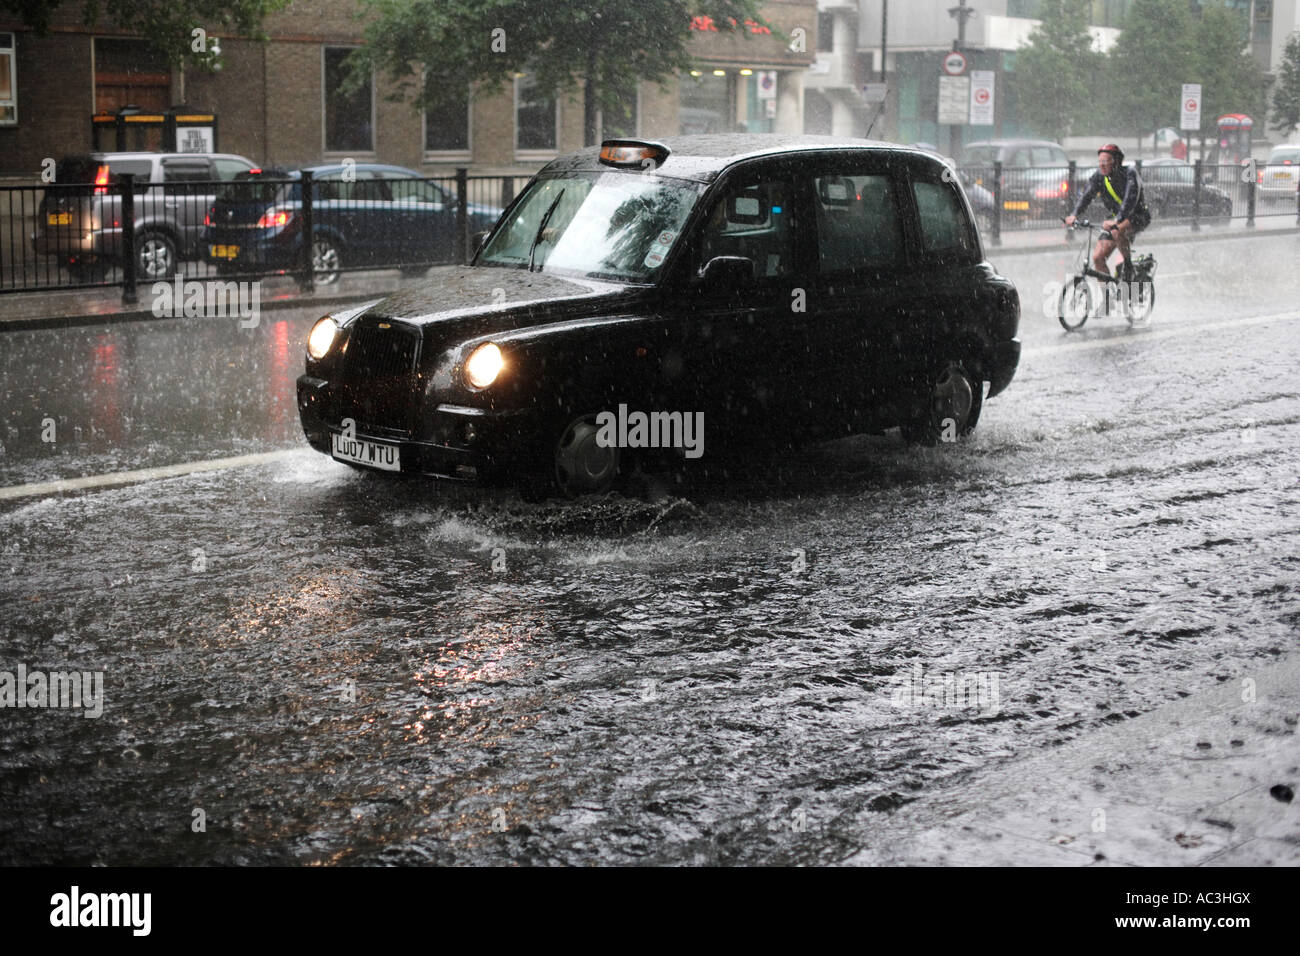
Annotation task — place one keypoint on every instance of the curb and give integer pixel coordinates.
(1207, 234)
(146, 315)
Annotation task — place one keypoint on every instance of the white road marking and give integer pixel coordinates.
(143, 474)
(1142, 334)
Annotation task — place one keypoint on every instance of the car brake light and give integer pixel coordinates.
(101, 180)
(252, 171)
(274, 218)
(207, 218)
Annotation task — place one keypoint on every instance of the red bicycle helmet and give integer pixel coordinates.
(1113, 150)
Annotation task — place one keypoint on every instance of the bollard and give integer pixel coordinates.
(127, 212)
(1196, 195)
(1250, 197)
(463, 251)
(308, 284)
(997, 202)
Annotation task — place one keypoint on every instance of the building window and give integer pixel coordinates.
(8, 81)
(446, 124)
(620, 121)
(825, 32)
(705, 103)
(536, 117)
(348, 116)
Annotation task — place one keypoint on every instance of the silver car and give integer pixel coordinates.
(79, 217)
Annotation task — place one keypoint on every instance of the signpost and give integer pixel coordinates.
(981, 97)
(1190, 107)
(954, 100)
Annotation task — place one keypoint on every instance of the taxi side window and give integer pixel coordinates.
(858, 225)
(945, 229)
(755, 222)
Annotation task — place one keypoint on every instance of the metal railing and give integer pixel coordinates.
(75, 236)
(1008, 198)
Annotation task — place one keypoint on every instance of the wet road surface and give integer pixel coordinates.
(338, 668)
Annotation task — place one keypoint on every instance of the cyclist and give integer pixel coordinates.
(1120, 189)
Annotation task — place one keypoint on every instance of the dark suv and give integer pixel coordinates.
(80, 221)
(639, 297)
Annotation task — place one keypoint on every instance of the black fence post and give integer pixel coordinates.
(997, 202)
(507, 191)
(462, 215)
(1250, 194)
(308, 235)
(127, 212)
(1070, 193)
(1196, 195)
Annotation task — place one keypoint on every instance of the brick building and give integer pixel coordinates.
(279, 103)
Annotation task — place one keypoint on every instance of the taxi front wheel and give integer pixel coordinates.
(950, 409)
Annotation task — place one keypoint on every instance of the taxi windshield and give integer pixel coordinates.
(613, 225)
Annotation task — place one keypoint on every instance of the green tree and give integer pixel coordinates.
(166, 24)
(1230, 77)
(606, 43)
(1149, 64)
(1057, 69)
(1286, 95)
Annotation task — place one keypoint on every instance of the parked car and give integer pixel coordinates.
(760, 286)
(1169, 186)
(1279, 177)
(1035, 177)
(79, 217)
(363, 214)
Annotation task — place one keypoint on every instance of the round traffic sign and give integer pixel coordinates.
(981, 96)
(954, 63)
(1190, 106)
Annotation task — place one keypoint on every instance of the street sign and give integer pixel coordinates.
(874, 92)
(981, 97)
(1190, 108)
(954, 100)
(767, 84)
(954, 63)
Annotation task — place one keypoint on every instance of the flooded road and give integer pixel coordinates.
(320, 666)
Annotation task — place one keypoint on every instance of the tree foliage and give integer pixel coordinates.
(1286, 95)
(1230, 77)
(1057, 69)
(434, 48)
(1148, 65)
(167, 24)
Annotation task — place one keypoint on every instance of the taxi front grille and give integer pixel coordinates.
(380, 375)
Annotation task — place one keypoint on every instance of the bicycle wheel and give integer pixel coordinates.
(1076, 303)
(1139, 298)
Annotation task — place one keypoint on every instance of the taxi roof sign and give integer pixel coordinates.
(633, 152)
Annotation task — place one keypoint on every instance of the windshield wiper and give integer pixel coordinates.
(541, 227)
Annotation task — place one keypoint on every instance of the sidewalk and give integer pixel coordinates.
(1204, 781)
(55, 308)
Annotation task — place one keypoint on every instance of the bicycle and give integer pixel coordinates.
(1134, 292)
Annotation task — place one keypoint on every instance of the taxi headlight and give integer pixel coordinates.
(321, 338)
(484, 365)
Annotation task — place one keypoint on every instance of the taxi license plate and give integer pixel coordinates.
(1016, 204)
(224, 252)
(58, 218)
(1281, 177)
(362, 452)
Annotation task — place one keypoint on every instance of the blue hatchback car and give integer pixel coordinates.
(363, 215)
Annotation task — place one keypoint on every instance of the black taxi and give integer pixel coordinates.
(675, 297)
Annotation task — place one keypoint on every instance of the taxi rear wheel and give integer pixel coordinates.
(950, 410)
